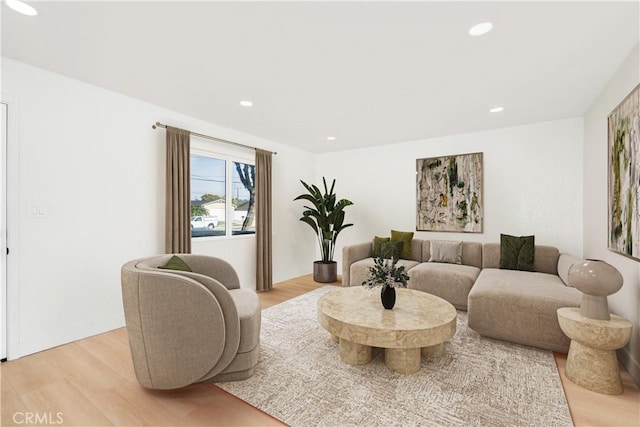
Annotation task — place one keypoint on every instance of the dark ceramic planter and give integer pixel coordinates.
(325, 272)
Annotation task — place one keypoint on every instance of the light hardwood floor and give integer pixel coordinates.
(91, 383)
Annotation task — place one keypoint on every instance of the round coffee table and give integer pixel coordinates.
(419, 324)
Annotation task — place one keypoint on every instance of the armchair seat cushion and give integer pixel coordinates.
(248, 306)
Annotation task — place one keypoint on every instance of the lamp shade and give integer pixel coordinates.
(595, 279)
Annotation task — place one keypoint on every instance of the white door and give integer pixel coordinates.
(3, 233)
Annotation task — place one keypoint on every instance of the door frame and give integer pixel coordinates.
(3, 228)
(11, 201)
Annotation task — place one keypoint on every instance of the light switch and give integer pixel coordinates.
(38, 211)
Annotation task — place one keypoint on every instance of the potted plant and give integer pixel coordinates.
(388, 275)
(326, 217)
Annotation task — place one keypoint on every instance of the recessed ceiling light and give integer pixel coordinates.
(496, 109)
(21, 7)
(246, 103)
(331, 138)
(480, 29)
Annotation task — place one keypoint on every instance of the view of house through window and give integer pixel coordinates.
(222, 197)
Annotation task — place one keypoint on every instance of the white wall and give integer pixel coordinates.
(532, 184)
(625, 302)
(90, 157)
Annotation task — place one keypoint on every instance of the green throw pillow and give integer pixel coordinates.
(389, 250)
(377, 241)
(517, 253)
(176, 263)
(405, 237)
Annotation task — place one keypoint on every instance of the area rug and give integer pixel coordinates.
(477, 382)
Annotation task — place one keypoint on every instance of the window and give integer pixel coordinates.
(222, 196)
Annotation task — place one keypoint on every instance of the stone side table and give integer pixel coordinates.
(592, 361)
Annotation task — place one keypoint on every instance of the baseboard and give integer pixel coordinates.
(65, 334)
(631, 365)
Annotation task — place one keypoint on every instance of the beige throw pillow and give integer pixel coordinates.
(446, 251)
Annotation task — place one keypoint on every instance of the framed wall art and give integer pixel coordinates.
(624, 176)
(449, 193)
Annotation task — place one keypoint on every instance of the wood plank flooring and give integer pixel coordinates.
(91, 383)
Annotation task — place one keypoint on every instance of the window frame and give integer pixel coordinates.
(229, 170)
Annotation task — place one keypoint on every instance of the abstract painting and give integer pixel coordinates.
(624, 176)
(449, 193)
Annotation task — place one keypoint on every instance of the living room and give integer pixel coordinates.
(87, 155)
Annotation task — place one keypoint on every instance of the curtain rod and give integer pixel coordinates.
(160, 125)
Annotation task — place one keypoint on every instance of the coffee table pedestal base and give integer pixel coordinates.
(402, 360)
(353, 353)
(433, 351)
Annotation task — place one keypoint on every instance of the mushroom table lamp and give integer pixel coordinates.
(595, 279)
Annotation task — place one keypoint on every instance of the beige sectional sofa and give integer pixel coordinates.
(517, 306)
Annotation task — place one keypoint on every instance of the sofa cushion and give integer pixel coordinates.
(546, 257)
(175, 263)
(446, 251)
(390, 250)
(405, 237)
(451, 282)
(521, 307)
(351, 254)
(377, 241)
(471, 252)
(360, 269)
(416, 250)
(517, 253)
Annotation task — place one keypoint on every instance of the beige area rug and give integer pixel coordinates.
(478, 382)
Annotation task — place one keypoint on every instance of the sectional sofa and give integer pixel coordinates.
(511, 305)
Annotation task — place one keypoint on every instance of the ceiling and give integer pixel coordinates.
(366, 73)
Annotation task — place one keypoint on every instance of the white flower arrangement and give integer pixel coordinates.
(386, 273)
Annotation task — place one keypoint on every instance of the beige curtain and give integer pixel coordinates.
(264, 273)
(178, 206)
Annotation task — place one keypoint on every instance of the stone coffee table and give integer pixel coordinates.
(419, 324)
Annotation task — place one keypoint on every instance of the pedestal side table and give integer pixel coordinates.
(592, 362)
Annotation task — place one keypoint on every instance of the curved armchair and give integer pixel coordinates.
(189, 327)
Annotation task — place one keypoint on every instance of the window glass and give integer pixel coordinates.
(243, 198)
(208, 196)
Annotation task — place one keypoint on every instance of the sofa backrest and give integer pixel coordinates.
(213, 267)
(416, 250)
(152, 263)
(545, 258)
(471, 253)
